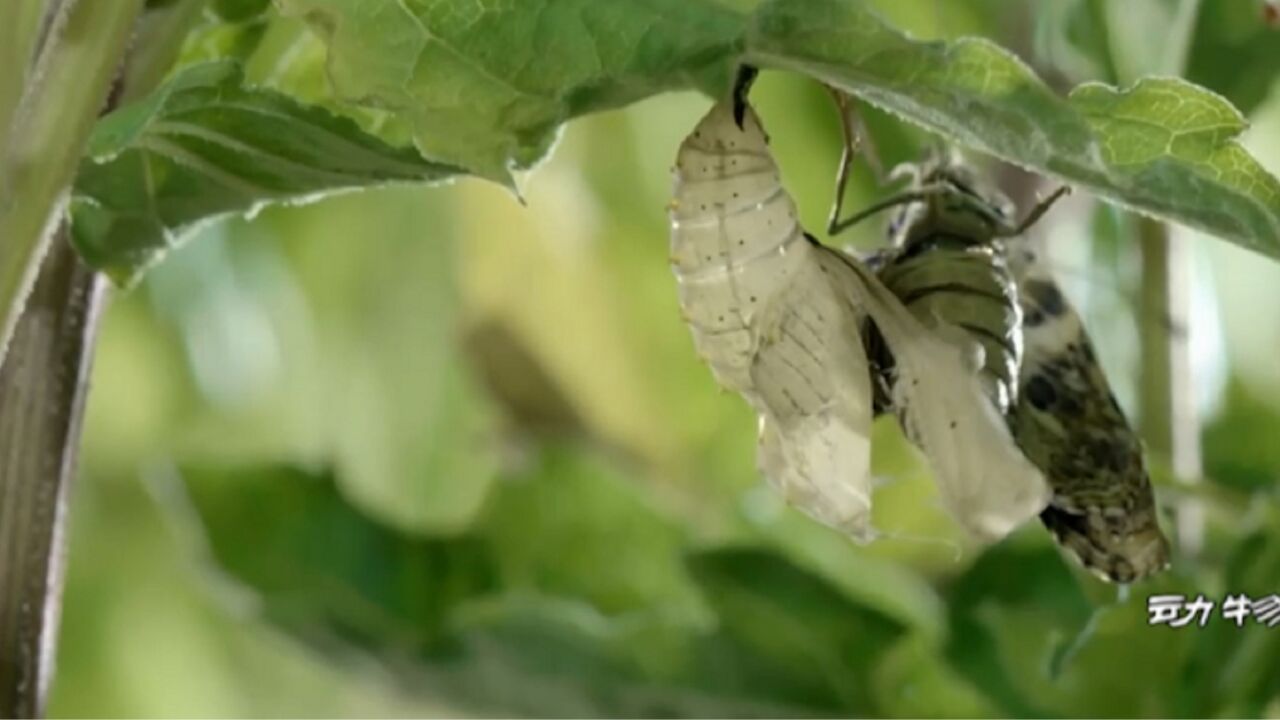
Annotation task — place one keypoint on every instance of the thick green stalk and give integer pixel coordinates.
(43, 384)
(63, 94)
(18, 33)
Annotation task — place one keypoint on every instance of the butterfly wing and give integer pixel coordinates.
(1069, 424)
(984, 480)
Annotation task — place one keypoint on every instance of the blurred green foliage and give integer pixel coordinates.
(462, 450)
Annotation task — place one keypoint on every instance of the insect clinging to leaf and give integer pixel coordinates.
(956, 327)
(780, 319)
(959, 257)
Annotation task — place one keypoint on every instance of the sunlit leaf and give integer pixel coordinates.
(487, 85)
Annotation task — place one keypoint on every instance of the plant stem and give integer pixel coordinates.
(1170, 417)
(43, 387)
(1170, 422)
(18, 34)
(62, 96)
(43, 384)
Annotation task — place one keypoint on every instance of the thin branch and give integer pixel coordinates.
(1170, 418)
(43, 386)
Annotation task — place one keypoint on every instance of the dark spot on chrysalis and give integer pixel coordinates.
(1033, 318)
(1046, 296)
(953, 424)
(1041, 393)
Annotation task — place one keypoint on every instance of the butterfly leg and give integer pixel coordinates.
(856, 140)
(1037, 212)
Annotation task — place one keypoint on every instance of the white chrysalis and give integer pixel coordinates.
(779, 319)
(767, 320)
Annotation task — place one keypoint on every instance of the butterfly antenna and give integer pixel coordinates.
(856, 140)
(1037, 212)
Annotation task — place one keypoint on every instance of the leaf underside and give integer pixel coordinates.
(205, 146)
(486, 86)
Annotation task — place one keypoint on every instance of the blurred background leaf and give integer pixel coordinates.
(463, 451)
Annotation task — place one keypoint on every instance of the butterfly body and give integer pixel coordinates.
(952, 264)
(948, 267)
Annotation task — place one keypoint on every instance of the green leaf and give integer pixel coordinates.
(1012, 612)
(1163, 147)
(1235, 52)
(204, 145)
(818, 642)
(521, 616)
(913, 680)
(1235, 671)
(240, 10)
(1238, 442)
(486, 86)
(1120, 666)
(614, 551)
(476, 621)
(326, 570)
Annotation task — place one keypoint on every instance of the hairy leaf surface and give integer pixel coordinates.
(205, 146)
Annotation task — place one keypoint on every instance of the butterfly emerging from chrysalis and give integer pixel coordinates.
(779, 318)
(958, 256)
(973, 348)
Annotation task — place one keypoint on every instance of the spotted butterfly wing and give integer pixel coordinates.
(1068, 422)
